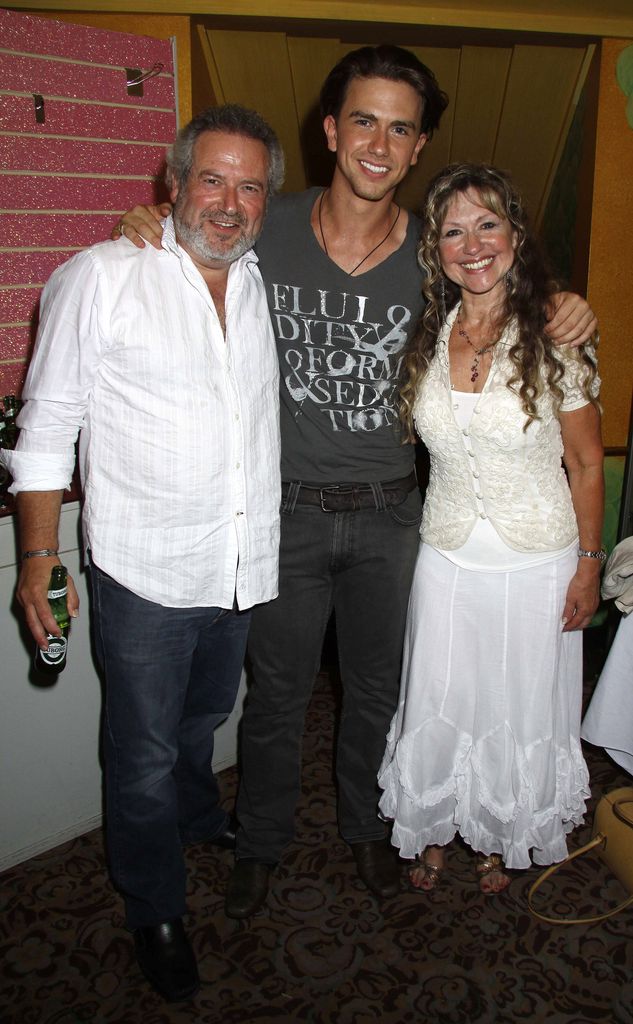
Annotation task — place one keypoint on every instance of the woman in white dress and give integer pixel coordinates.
(485, 741)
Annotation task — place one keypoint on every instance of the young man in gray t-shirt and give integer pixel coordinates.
(344, 293)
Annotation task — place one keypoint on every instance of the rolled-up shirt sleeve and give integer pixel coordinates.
(70, 342)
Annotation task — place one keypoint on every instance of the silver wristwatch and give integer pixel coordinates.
(601, 554)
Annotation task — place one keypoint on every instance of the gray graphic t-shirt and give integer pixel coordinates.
(340, 342)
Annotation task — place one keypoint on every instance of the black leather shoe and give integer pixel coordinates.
(167, 960)
(248, 888)
(226, 839)
(377, 866)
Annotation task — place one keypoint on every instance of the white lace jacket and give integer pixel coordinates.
(495, 469)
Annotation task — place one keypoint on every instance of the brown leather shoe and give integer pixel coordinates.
(377, 866)
(247, 889)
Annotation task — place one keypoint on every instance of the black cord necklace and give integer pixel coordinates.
(371, 251)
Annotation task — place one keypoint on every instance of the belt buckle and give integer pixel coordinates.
(323, 492)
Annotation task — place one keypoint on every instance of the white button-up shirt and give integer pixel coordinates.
(179, 442)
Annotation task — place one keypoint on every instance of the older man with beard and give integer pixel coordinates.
(165, 362)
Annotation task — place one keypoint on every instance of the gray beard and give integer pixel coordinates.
(197, 242)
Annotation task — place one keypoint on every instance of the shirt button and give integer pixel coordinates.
(239, 513)
(465, 432)
(482, 515)
(471, 453)
(475, 474)
(237, 465)
(479, 497)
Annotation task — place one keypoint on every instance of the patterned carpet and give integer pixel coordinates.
(324, 950)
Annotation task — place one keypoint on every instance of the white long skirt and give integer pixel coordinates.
(485, 741)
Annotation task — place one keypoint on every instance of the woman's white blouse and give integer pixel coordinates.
(493, 469)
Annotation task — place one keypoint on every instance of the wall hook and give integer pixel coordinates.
(38, 102)
(135, 78)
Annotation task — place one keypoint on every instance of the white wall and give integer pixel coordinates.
(50, 778)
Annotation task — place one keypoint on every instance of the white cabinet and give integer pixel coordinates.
(50, 776)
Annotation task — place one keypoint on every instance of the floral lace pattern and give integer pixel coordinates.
(518, 474)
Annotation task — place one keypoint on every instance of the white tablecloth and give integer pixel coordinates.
(609, 719)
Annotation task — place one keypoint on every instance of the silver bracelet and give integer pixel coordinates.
(42, 553)
(601, 554)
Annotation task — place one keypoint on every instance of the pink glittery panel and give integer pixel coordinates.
(46, 154)
(18, 304)
(87, 119)
(29, 230)
(81, 42)
(15, 343)
(92, 127)
(57, 78)
(12, 377)
(31, 267)
(38, 192)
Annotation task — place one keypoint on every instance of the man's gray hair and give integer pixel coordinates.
(234, 120)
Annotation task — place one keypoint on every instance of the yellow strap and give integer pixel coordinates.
(598, 840)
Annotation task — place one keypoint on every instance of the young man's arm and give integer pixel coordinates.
(141, 224)
(571, 319)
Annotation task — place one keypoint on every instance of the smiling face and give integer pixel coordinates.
(476, 246)
(376, 136)
(219, 211)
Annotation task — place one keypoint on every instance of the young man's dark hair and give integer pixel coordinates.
(390, 62)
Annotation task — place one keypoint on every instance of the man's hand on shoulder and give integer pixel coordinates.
(32, 593)
(142, 222)
(571, 320)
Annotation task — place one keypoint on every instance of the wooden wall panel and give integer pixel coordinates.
(507, 106)
(311, 59)
(541, 84)
(444, 61)
(483, 75)
(254, 69)
(611, 254)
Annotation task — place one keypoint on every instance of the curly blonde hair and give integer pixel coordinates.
(529, 288)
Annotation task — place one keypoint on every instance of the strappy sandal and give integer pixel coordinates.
(432, 875)
(492, 864)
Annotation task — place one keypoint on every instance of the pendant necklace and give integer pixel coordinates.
(463, 333)
(371, 251)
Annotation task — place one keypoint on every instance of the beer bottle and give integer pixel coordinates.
(53, 661)
(10, 426)
(4, 472)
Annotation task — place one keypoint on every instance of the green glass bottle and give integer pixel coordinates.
(53, 661)
(11, 410)
(4, 473)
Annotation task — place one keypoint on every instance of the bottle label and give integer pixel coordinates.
(56, 650)
(54, 594)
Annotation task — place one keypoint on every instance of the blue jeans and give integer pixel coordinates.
(171, 677)
(361, 564)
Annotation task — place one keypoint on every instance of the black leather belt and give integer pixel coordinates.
(352, 497)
